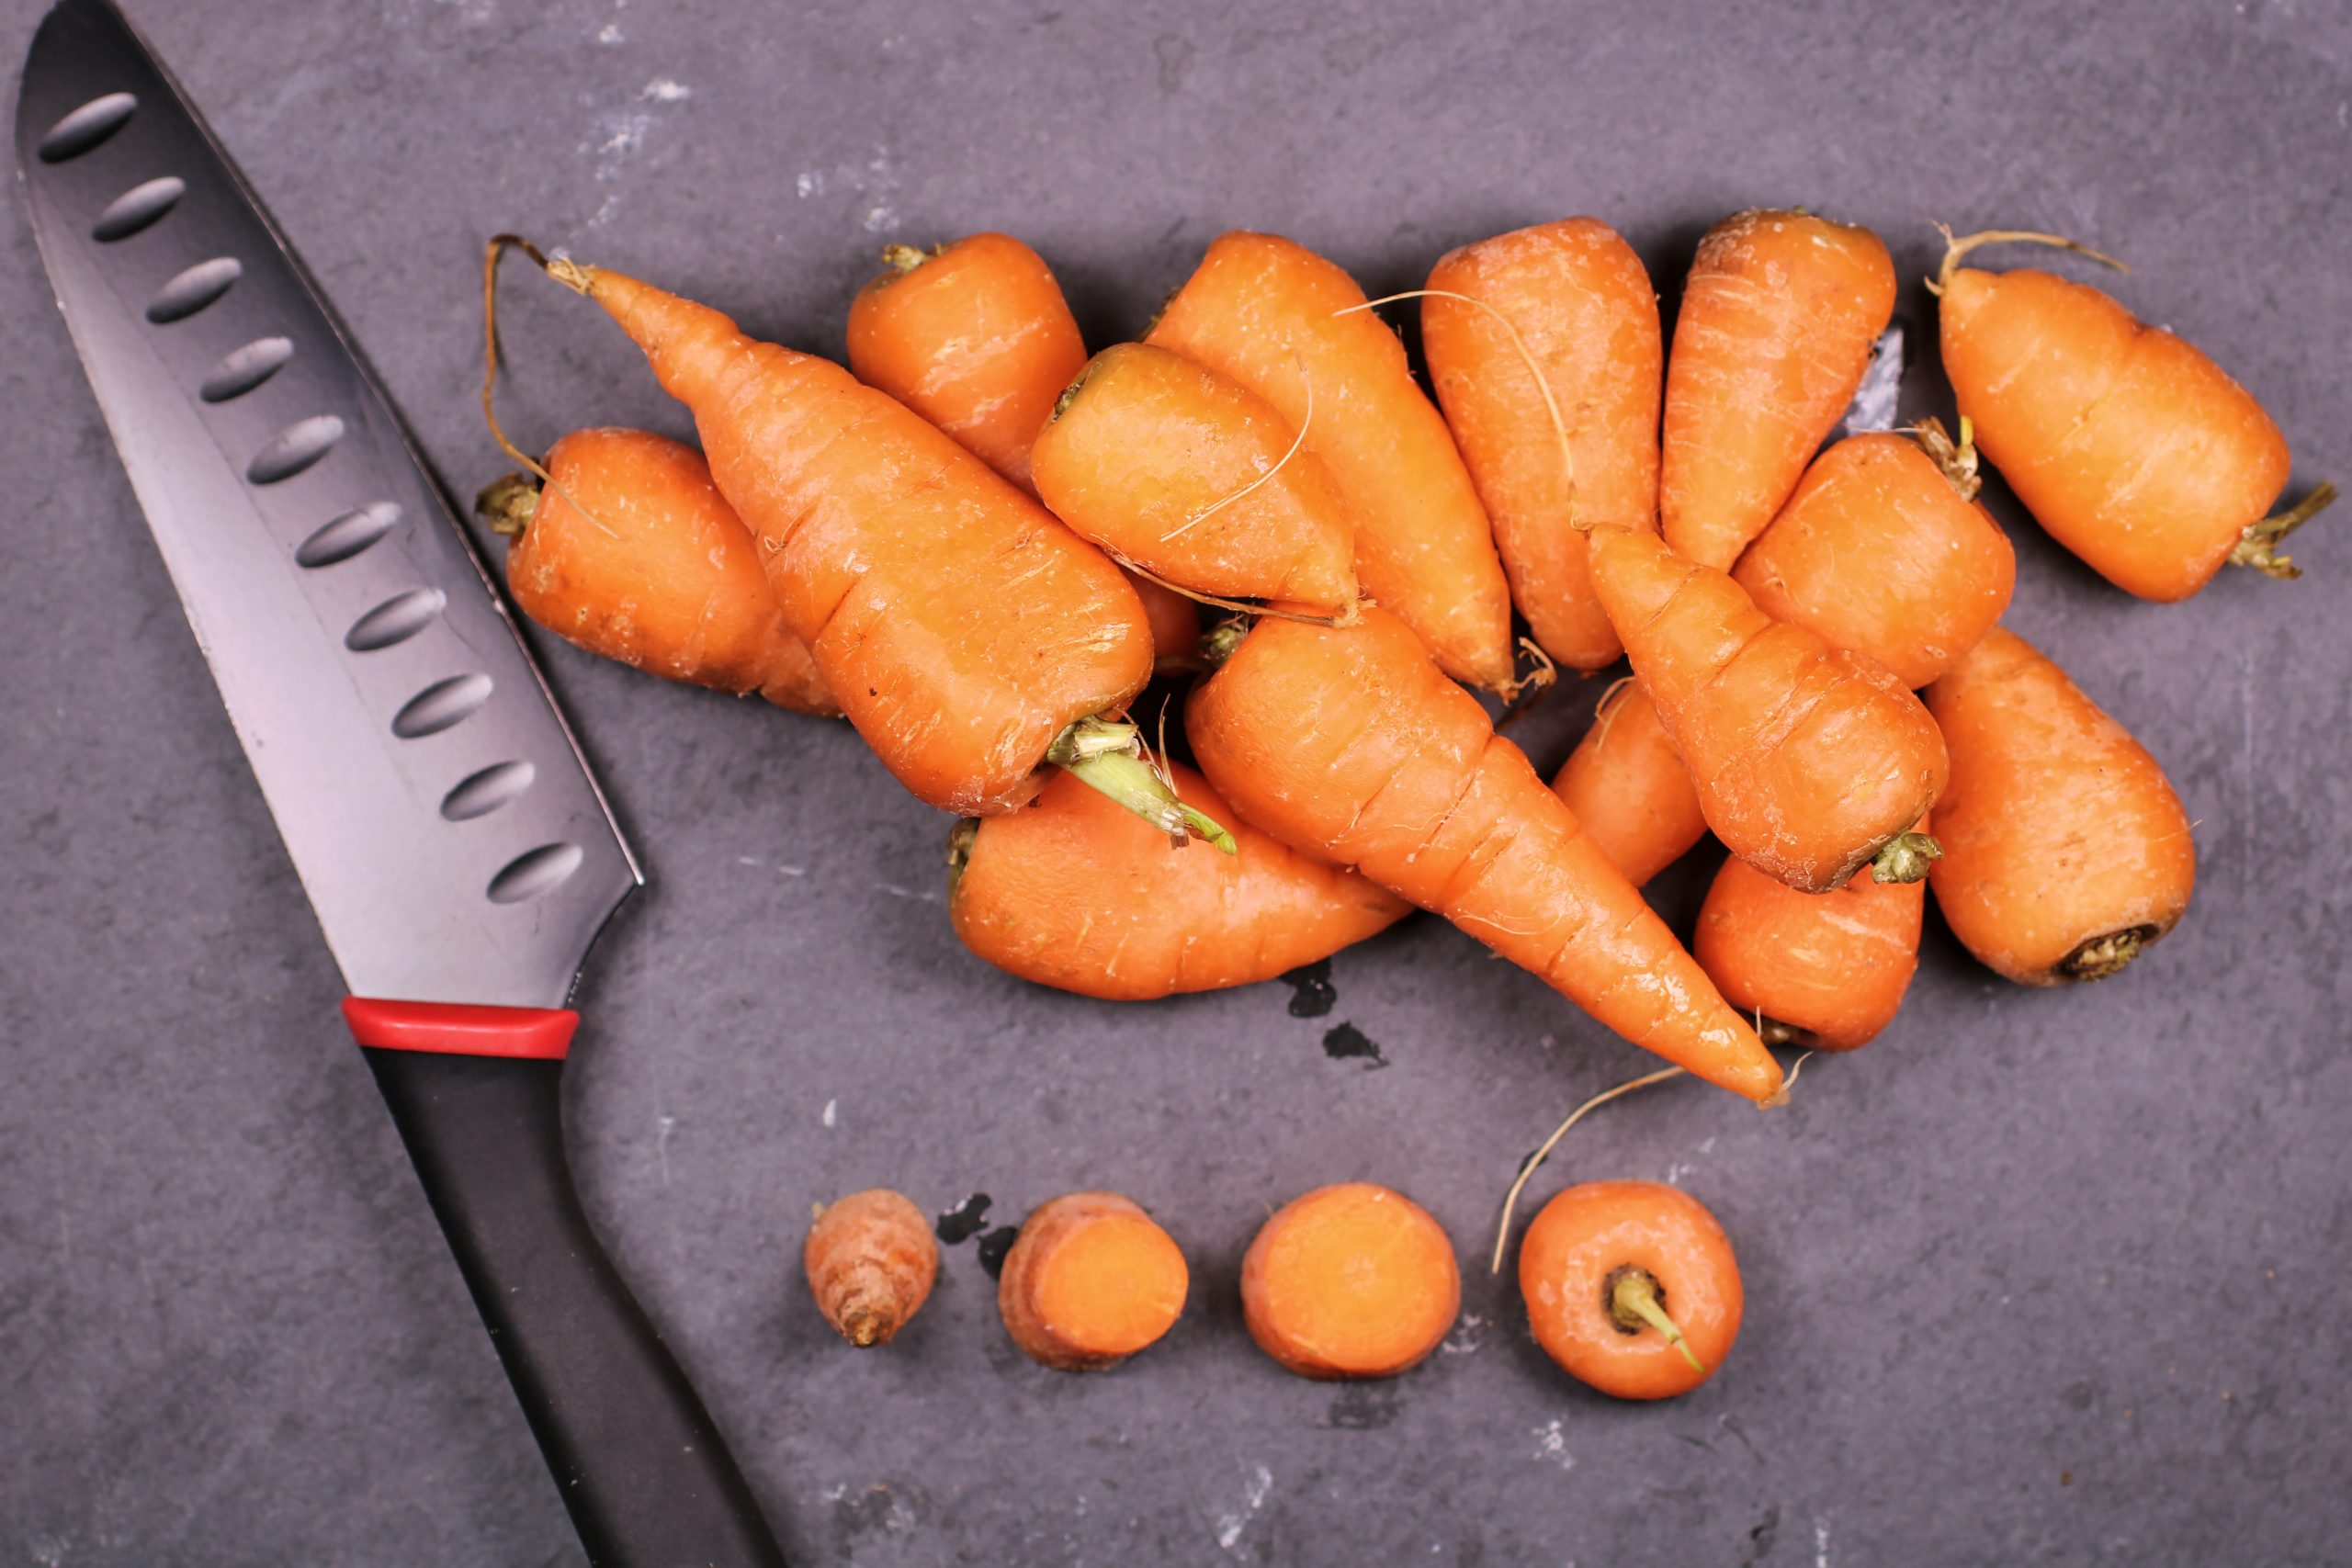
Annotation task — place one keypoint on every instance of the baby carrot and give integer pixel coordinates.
(870, 1260)
(1824, 970)
(970, 637)
(1350, 1281)
(1808, 763)
(2066, 852)
(1090, 1281)
(2131, 448)
(1776, 326)
(660, 573)
(1293, 329)
(1352, 744)
(1631, 1287)
(1575, 297)
(974, 337)
(1883, 550)
(1626, 784)
(1180, 471)
(1074, 893)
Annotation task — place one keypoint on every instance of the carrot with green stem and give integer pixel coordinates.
(1280, 319)
(1632, 1288)
(1543, 346)
(1351, 744)
(1778, 320)
(2130, 446)
(1626, 784)
(970, 637)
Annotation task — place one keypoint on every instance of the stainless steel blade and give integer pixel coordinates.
(446, 830)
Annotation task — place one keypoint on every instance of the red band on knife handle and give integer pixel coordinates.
(462, 1029)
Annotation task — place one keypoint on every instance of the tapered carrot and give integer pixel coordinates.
(1626, 784)
(1090, 1280)
(1292, 328)
(975, 336)
(2066, 852)
(1809, 762)
(1353, 1280)
(1074, 893)
(1631, 1287)
(871, 1262)
(1824, 970)
(1352, 744)
(1573, 296)
(1187, 474)
(970, 637)
(1884, 550)
(658, 573)
(1777, 325)
(2130, 446)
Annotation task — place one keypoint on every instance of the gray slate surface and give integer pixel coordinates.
(2039, 1278)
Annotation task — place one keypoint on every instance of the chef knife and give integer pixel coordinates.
(453, 843)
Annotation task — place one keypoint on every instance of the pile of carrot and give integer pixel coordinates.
(980, 544)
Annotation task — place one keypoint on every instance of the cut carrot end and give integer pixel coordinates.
(2105, 956)
(1633, 1302)
(507, 504)
(1958, 463)
(1108, 756)
(904, 259)
(1112, 1288)
(1905, 858)
(2256, 547)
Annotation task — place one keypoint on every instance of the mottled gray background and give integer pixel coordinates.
(2039, 1278)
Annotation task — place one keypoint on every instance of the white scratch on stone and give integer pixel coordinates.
(610, 34)
(831, 1116)
(617, 136)
(879, 219)
(667, 90)
(1551, 1444)
(1821, 1543)
(1229, 1527)
(747, 860)
(1465, 1337)
(895, 891)
(810, 182)
(792, 870)
(664, 1127)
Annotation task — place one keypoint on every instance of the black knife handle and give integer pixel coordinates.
(636, 1458)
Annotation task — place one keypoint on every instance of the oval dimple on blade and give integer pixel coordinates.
(86, 127)
(395, 620)
(538, 872)
(242, 369)
(190, 291)
(346, 535)
(295, 448)
(442, 706)
(481, 792)
(138, 208)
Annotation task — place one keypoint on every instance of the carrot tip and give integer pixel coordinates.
(507, 504)
(2104, 957)
(904, 259)
(1957, 462)
(1905, 858)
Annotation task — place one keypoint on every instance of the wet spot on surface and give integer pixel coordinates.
(961, 1222)
(1364, 1408)
(1311, 993)
(994, 1245)
(1347, 1042)
(1761, 1539)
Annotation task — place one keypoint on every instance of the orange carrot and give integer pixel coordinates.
(870, 1260)
(1351, 744)
(970, 637)
(2066, 852)
(2130, 446)
(1181, 472)
(1292, 328)
(1776, 326)
(1626, 784)
(1090, 1281)
(660, 573)
(1883, 550)
(1576, 297)
(1175, 623)
(1824, 970)
(1350, 1281)
(1808, 763)
(1632, 1288)
(974, 337)
(1074, 893)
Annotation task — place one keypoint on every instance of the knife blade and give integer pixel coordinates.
(452, 841)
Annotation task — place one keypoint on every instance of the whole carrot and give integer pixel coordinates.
(1884, 550)
(2130, 446)
(2066, 852)
(1776, 326)
(1074, 893)
(1574, 298)
(1824, 970)
(1187, 474)
(970, 637)
(1293, 329)
(1626, 784)
(1352, 744)
(658, 573)
(1809, 763)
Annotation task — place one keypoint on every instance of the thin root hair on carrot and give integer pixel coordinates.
(1544, 1151)
(1237, 607)
(1954, 249)
(499, 245)
(1297, 443)
(2256, 548)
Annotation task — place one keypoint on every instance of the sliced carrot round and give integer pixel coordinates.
(1090, 1281)
(1350, 1281)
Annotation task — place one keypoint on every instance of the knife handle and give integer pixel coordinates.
(636, 1458)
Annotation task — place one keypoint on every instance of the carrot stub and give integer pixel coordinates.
(1778, 322)
(1351, 744)
(1574, 297)
(1631, 1287)
(871, 1261)
(1884, 550)
(1090, 1281)
(1074, 893)
(1808, 763)
(2065, 851)
(1350, 1281)
(2131, 448)
(1292, 328)
(1626, 784)
(658, 572)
